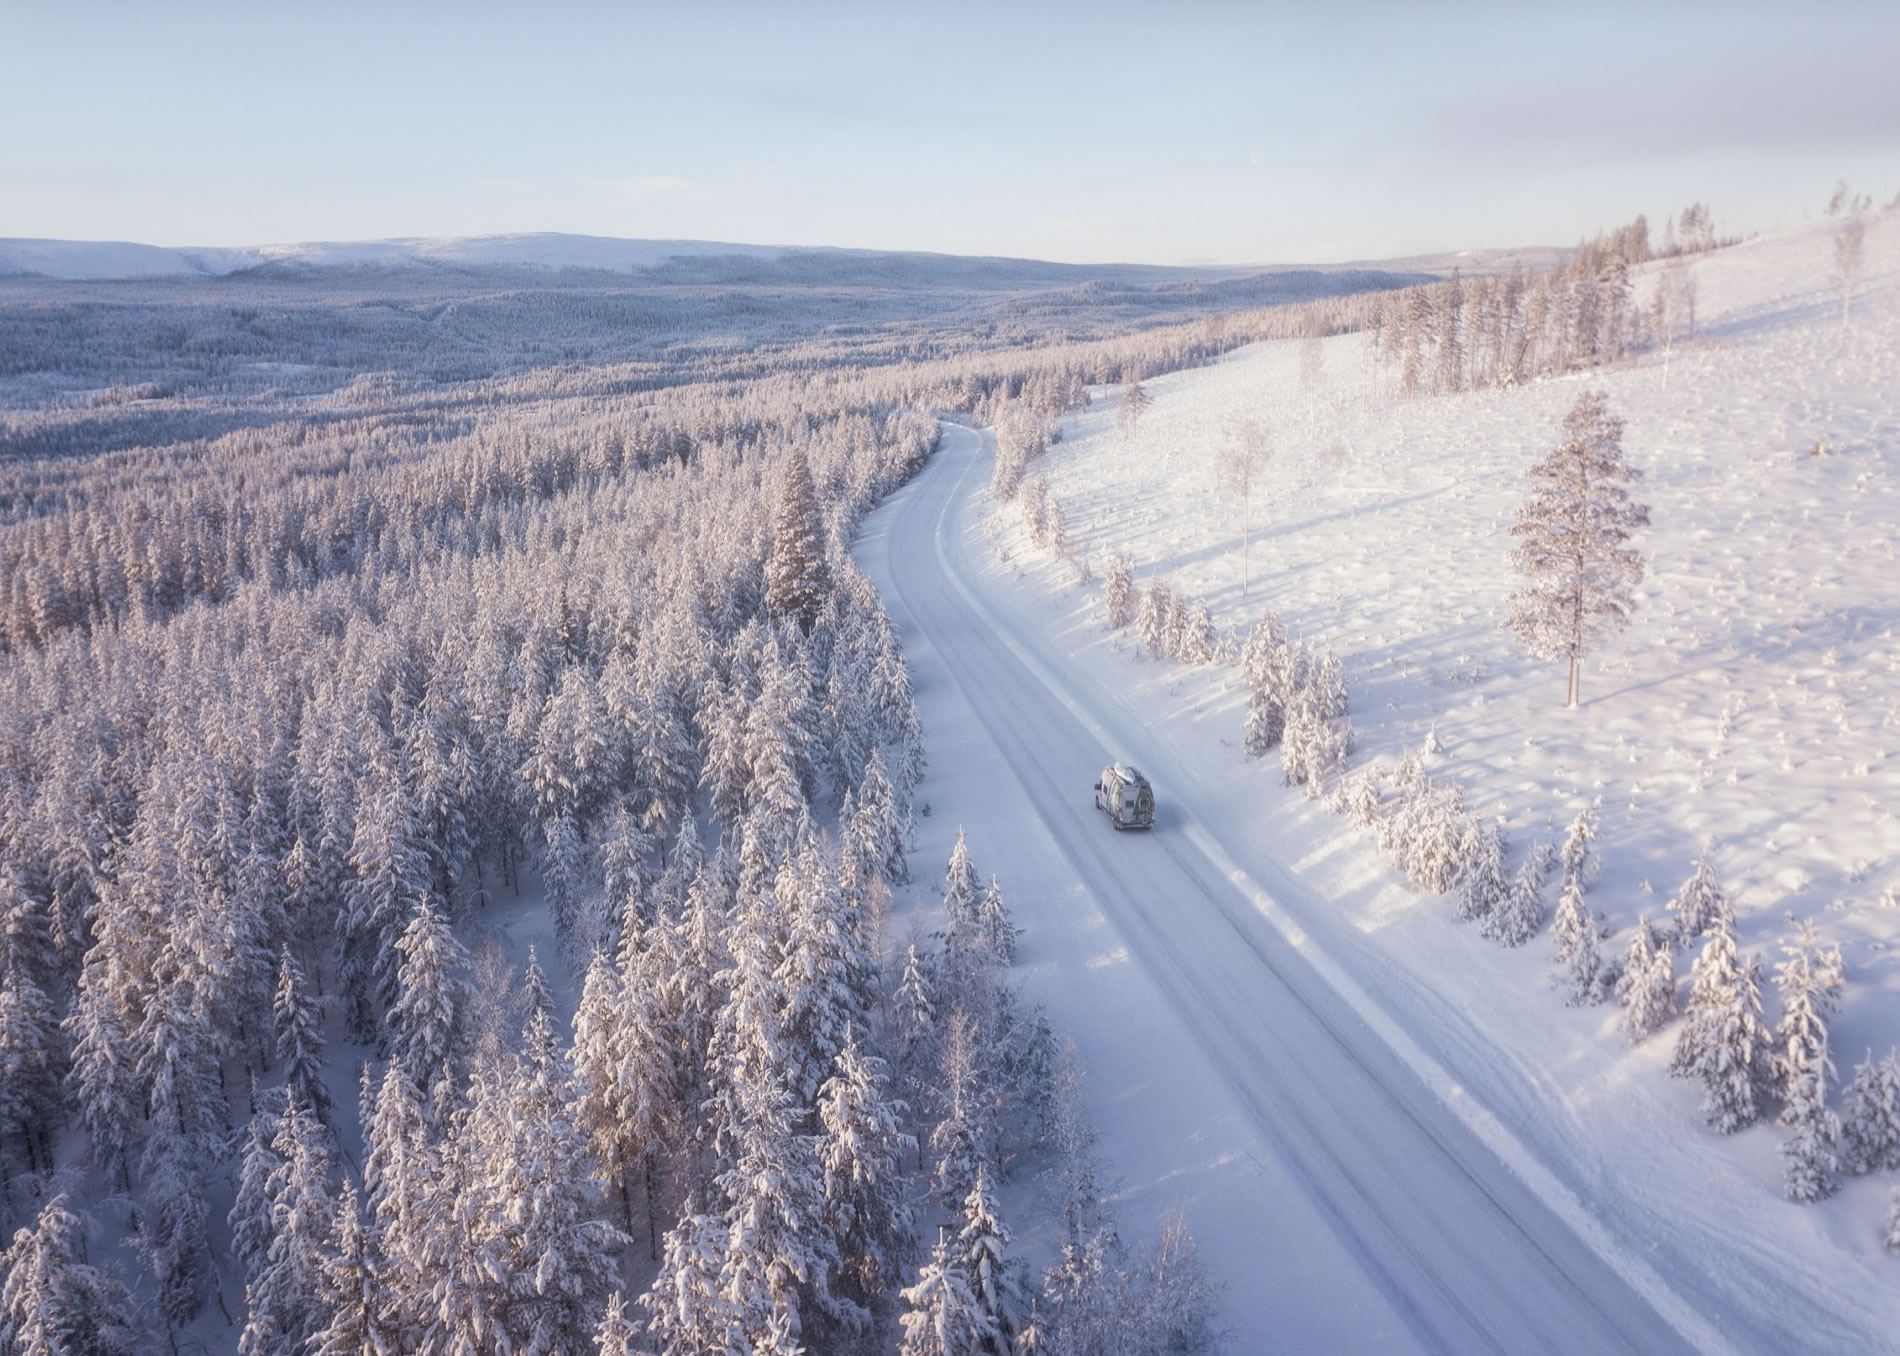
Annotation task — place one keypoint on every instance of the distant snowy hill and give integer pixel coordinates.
(684, 261)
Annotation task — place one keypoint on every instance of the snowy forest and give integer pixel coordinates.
(341, 722)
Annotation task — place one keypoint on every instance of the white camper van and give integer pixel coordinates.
(1124, 795)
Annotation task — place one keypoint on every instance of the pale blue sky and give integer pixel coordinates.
(1164, 132)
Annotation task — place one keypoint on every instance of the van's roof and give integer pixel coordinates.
(1127, 772)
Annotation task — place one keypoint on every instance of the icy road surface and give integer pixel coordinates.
(1346, 1205)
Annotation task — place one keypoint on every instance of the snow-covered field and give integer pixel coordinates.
(1753, 706)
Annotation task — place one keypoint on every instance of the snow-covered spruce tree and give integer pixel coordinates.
(54, 1302)
(688, 1311)
(1481, 848)
(1518, 916)
(176, 1063)
(1425, 833)
(563, 876)
(1579, 857)
(877, 823)
(820, 973)
(1809, 980)
(250, 1213)
(999, 933)
(1174, 632)
(1578, 954)
(531, 1256)
(1118, 590)
(778, 1254)
(1724, 1042)
(1647, 985)
(1313, 745)
(32, 1064)
(1699, 900)
(797, 575)
(861, 1149)
(404, 1189)
(1135, 403)
(296, 1027)
(963, 929)
(426, 1020)
(1572, 541)
(1870, 1116)
(1891, 1234)
(1151, 620)
(941, 1315)
(283, 1297)
(1197, 636)
(100, 1083)
(389, 870)
(353, 1302)
(982, 1247)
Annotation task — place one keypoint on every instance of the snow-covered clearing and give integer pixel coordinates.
(1755, 704)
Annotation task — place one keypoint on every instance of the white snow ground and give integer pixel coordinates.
(1754, 704)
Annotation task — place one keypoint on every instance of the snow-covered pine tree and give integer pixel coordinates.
(54, 1301)
(941, 1314)
(32, 1064)
(249, 1216)
(1572, 537)
(1870, 1116)
(1485, 885)
(297, 1027)
(101, 1084)
(1313, 745)
(353, 1298)
(878, 822)
(1151, 620)
(688, 1313)
(982, 1249)
(963, 932)
(1118, 590)
(562, 876)
(1808, 1156)
(283, 1297)
(1264, 667)
(860, 1150)
(1579, 858)
(1174, 629)
(176, 1064)
(1520, 914)
(999, 933)
(1135, 403)
(1647, 985)
(1809, 980)
(1724, 1042)
(425, 1022)
(778, 1253)
(1578, 954)
(797, 576)
(1699, 900)
(406, 1194)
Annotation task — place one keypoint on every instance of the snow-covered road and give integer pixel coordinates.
(1373, 1213)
